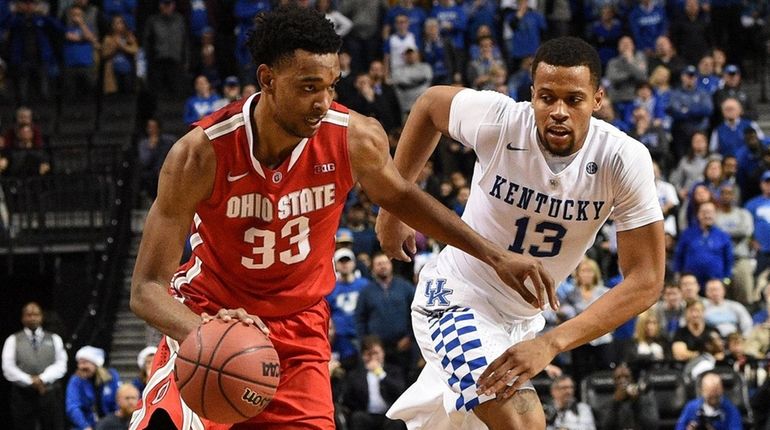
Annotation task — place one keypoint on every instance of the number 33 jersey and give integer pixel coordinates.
(264, 239)
(520, 203)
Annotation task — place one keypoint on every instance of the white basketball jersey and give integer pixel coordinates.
(519, 203)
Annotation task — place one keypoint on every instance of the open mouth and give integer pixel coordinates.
(558, 132)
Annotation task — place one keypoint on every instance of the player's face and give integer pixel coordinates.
(564, 98)
(301, 90)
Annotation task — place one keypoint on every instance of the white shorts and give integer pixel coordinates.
(460, 331)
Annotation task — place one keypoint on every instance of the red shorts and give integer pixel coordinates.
(303, 399)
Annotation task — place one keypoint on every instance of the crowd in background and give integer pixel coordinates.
(675, 78)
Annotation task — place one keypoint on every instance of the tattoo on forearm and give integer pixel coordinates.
(524, 401)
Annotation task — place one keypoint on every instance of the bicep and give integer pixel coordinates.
(641, 252)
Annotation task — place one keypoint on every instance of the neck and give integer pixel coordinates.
(272, 144)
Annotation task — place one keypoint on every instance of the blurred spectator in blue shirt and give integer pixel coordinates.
(204, 102)
(245, 11)
(342, 301)
(438, 51)
(606, 33)
(704, 250)
(648, 22)
(708, 79)
(523, 29)
(760, 209)
(728, 137)
(91, 389)
(712, 409)
(416, 14)
(452, 21)
(690, 109)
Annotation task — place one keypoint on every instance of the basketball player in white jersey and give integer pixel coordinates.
(547, 177)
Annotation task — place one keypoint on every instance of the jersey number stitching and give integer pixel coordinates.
(297, 230)
(545, 227)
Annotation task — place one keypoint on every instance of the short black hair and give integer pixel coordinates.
(278, 33)
(569, 52)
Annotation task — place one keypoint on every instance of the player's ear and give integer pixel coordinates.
(598, 98)
(265, 78)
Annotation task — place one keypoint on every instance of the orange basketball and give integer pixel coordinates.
(227, 372)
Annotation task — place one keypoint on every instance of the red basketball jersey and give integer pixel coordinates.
(264, 240)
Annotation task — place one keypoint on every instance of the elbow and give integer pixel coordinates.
(137, 301)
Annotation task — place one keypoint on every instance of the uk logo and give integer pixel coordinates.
(592, 168)
(438, 294)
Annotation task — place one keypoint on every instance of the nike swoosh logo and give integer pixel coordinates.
(514, 148)
(231, 178)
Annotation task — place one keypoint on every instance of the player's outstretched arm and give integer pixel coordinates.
(374, 170)
(428, 119)
(187, 177)
(641, 257)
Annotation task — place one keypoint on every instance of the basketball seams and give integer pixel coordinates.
(227, 398)
(232, 375)
(212, 354)
(197, 362)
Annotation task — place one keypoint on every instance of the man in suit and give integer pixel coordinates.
(371, 388)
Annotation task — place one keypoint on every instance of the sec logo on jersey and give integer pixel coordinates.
(592, 168)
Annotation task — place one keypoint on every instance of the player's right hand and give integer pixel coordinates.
(237, 314)
(514, 269)
(395, 237)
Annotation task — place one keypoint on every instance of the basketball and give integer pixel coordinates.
(227, 372)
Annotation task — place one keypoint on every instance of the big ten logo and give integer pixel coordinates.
(254, 398)
(324, 168)
(271, 369)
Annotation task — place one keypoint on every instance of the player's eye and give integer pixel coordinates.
(308, 88)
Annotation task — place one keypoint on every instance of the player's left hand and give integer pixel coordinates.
(395, 236)
(520, 362)
(237, 314)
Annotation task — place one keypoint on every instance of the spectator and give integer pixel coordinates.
(606, 33)
(733, 88)
(31, 53)
(624, 73)
(481, 14)
(91, 390)
(762, 315)
(80, 45)
(648, 21)
(520, 82)
(523, 29)
(383, 310)
(127, 399)
(25, 160)
(670, 311)
(711, 410)
(691, 289)
(649, 344)
(388, 110)
(438, 51)
(708, 79)
(760, 210)
(691, 32)
(34, 360)
(730, 176)
(607, 113)
(144, 363)
(750, 163)
(644, 96)
(691, 339)
(668, 198)
(690, 109)
(728, 136)
(411, 80)
(231, 90)
(165, 45)
(758, 341)
(737, 356)
(630, 407)
(244, 12)
(688, 215)
(119, 49)
(23, 117)
(416, 14)
(207, 63)
(588, 288)
(342, 24)
(652, 136)
(359, 224)
(372, 387)
(203, 102)
(564, 411)
(453, 23)
(666, 56)
(479, 72)
(739, 224)
(364, 42)
(397, 44)
(153, 148)
(342, 301)
(728, 316)
(703, 249)
(124, 8)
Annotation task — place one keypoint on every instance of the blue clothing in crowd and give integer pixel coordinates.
(647, 25)
(385, 312)
(694, 106)
(245, 11)
(759, 317)
(199, 17)
(709, 83)
(526, 33)
(728, 419)
(760, 209)
(124, 8)
(606, 39)
(197, 107)
(727, 139)
(416, 16)
(453, 22)
(342, 302)
(706, 254)
(77, 53)
(43, 26)
(81, 398)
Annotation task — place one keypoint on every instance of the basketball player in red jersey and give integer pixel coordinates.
(263, 182)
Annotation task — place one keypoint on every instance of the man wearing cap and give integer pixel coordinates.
(690, 109)
(343, 301)
(91, 389)
(34, 361)
(760, 209)
(733, 88)
(231, 89)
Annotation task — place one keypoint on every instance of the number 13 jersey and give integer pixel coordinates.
(520, 203)
(264, 239)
